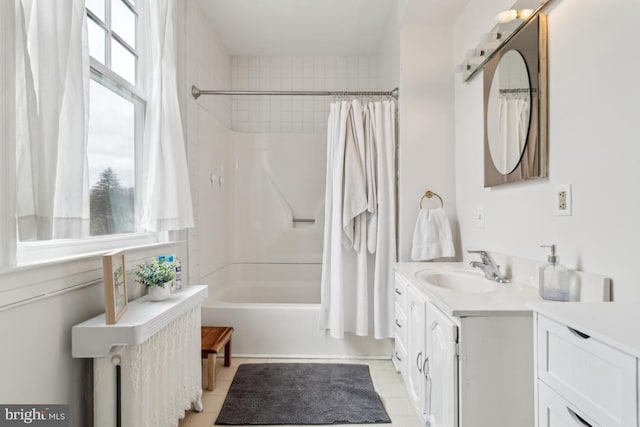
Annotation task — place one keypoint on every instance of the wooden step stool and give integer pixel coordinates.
(213, 339)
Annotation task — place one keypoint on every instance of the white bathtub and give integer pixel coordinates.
(274, 310)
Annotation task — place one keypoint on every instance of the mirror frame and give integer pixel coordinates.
(531, 43)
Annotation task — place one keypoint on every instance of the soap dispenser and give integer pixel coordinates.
(555, 278)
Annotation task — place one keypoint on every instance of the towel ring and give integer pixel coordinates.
(429, 194)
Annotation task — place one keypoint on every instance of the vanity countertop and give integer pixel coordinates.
(508, 299)
(614, 323)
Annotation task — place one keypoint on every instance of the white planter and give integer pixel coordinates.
(157, 293)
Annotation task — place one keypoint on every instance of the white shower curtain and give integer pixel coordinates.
(359, 231)
(514, 112)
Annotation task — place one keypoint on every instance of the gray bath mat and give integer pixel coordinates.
(302, 393)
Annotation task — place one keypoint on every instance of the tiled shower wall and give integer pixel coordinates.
(295, 114)
(207, 121)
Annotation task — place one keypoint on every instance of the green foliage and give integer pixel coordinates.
(111, 206)
(156, 273)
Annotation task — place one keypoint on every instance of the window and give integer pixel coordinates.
(111, 158)
(112, 33)
(115, 132)
(115, 116)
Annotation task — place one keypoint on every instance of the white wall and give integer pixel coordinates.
(36, 364)
(418, 59)
(593, 93)
(425, 126)
(389, 52)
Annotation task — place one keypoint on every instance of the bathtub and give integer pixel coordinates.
(274, 309)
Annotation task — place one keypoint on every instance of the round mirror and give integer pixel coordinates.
(509, 112)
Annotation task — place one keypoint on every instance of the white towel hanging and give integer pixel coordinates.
(432, 236)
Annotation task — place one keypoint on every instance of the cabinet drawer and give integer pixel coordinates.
(554, 411)
(400, 325)
(400, 291)
(597, 378)
(399, 358)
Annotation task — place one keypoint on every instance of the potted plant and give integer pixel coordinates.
(156, 276)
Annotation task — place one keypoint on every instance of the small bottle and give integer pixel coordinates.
(555, 278)
(170, 259)
(178, 278)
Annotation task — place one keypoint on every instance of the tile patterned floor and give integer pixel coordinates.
(387, 382)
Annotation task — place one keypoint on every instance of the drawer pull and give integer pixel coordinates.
(578, 333)
(398, 357)
(398, 324)
(425, 368)
(578, 418)
(419, 362)
(398, 291)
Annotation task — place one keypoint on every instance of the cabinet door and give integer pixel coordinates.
(441, 370)
(415, 344)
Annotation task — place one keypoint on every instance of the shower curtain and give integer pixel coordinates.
(359, 231)
(514, 113)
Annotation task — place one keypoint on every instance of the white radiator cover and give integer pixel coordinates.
(157, 346)
(162, 377)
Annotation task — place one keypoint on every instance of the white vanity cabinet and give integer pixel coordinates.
(440, 369)
(468, 367)
(416, 322)
(587, 364)
(400, 325)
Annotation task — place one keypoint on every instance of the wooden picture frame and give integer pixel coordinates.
(115, 286)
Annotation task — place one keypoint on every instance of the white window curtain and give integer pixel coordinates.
(166, 194)
(359, 233)
(7, 134)
(52, 88)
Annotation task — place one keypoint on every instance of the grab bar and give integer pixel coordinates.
(297, 221)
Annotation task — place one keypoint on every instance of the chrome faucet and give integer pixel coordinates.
(488, 266)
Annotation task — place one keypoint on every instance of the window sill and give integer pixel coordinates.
(52, 251)
(31, 282)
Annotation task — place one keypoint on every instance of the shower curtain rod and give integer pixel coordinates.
(518, 90)
(196, 92)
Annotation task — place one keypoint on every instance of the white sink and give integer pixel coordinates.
(461, 281)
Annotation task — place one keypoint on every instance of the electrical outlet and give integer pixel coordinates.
(562, 199)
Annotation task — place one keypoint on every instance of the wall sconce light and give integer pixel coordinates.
(489, 42)
(512, 14)
(509, 23)
(489, 37)
(489, 46)
(473, 58)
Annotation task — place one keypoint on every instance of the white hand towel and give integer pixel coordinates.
(432, 236)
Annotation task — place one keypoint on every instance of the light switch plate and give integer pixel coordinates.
(562, 199)
(479, 217)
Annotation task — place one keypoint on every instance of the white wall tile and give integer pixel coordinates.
(305, 114)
